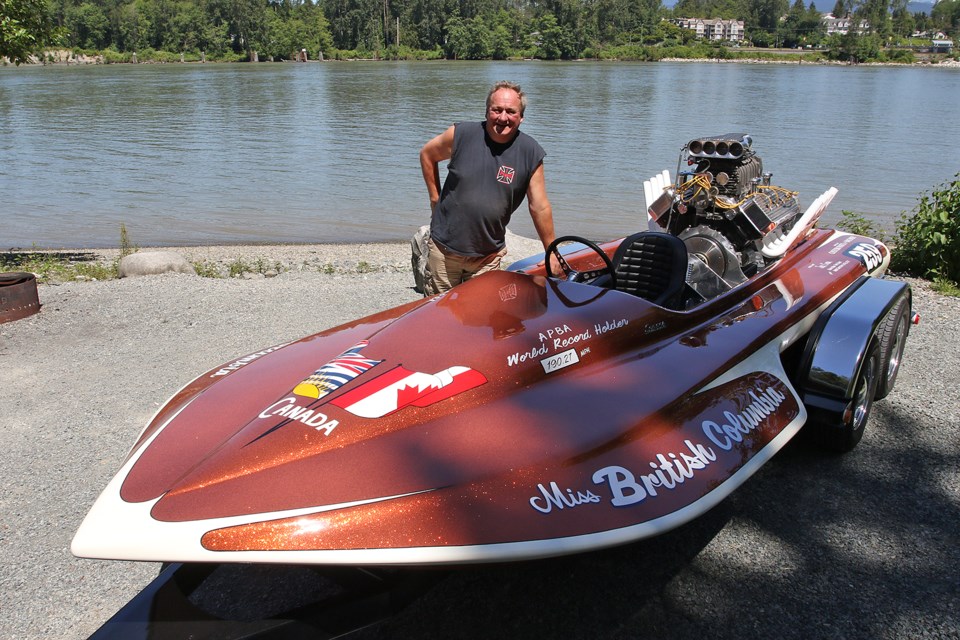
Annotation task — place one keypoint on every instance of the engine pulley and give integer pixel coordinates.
(711, 247)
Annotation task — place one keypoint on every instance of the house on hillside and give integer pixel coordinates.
(844, 25)
(715, 29)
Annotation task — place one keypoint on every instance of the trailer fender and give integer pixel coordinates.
(844, 361)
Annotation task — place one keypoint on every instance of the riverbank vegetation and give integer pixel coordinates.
(233, 30)
(928, 239)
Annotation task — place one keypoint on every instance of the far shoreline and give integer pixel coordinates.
(66, 58)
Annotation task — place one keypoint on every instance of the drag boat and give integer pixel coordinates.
(526, 413)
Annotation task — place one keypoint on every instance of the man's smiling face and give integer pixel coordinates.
(503, 115)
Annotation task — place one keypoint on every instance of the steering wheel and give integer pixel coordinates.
(572, 274)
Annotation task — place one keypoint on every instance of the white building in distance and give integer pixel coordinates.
(713, 29)
(844, 25)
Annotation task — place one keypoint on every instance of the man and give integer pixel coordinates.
(493, 166)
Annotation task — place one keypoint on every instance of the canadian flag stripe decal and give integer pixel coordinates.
(400, 387)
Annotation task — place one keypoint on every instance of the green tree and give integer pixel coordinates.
(902, 20)
(670, 34)
(501, 43)
(88, 26)
(356, 24)
(877, 15)
(801, 26)
(427, 19)
(516, 25)
(814, 28)
(921, 22)
(468, 39)
(25, 27)
(764, 14)
(124, 26)
(277, 38)
(556, 41)
(287, 34)
(693, 8)
(726, 9)
(186, 27)
(574, 27)
(856, 47)
(612, 19)
(946, 16)
(319, 31)
(245, 21)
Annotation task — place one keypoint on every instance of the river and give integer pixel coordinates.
(327, 152)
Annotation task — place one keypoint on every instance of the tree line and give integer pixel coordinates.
(453, 29)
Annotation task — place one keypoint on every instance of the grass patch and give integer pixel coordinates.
(240, 267)
(126, 247)
(344, 269)
(207, 269)
(946, 287)
(52, 267)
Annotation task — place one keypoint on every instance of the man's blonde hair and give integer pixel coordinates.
(513, 86)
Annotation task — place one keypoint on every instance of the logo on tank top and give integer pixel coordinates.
(506, 174)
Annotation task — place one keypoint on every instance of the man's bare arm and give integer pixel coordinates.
(431, 155)
(540, 208)
(541, 211)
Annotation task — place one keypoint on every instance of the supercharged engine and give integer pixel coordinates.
(723, 206)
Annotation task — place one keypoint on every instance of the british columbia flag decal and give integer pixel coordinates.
(336, 373)
(506, 174)
(400, 387)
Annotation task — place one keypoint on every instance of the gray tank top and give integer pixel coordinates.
(485, 184)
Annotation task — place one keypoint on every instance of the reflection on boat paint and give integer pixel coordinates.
(737, 425)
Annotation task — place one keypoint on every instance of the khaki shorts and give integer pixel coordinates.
(447, 270)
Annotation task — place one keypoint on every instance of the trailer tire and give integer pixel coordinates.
(893, 338)
(842, 429)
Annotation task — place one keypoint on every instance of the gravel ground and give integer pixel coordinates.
(814, 546)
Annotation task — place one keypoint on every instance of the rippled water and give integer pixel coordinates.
(193, 154)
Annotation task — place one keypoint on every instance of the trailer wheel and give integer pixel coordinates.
(842, 429)
(893, 338)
